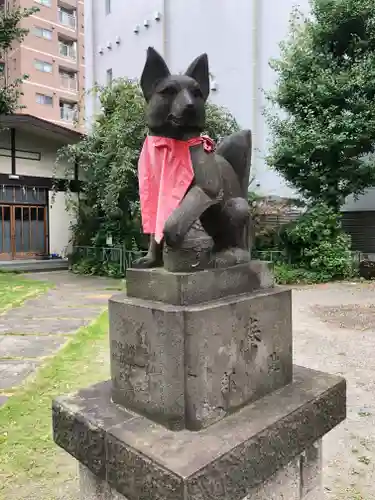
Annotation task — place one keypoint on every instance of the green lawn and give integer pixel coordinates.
(15, 289)
(32, 467)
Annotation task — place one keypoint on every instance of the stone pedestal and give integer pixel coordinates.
(204, 402)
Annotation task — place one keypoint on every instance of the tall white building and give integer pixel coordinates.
(240, 37)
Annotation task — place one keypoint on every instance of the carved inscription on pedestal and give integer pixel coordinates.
(274, 363)
(132, 360)
(249, 345)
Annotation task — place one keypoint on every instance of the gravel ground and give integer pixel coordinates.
(334, 331)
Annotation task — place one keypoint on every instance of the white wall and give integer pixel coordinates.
(60, 220)
(36, 144)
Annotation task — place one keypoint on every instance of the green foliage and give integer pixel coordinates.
(322, 113)
(287, 274)
(92, 266)
(317, 243)
(108, 159)
(10, 32)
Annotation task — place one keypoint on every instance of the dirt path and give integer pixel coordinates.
(334, 331)
(42, 325)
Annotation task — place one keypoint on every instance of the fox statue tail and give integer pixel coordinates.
(236, 149)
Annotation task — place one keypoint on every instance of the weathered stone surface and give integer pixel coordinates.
(147, 358)
(39, 325)
(93, 488)
(311, 469)
(14, 372)
(143, 460)
(284, 485)
(316, 494)
(29, 346)
(183, 289)
(190, 366)
(81, 428)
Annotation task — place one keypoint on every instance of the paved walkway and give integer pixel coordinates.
(334, 331)
(42, 325)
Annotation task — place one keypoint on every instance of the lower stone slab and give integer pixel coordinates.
(229, 460)
(286, 484)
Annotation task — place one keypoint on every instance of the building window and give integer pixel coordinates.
(44, 66)
(68, 17)
(107, 7)
(68, 49)
(109, 76)
(44, 99)
(42, 33)
(68, 111)
(68, 80)
(47, 3)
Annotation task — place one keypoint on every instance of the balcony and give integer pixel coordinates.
(68, 113)
(68, 50)
(67, 19)
(68, 82)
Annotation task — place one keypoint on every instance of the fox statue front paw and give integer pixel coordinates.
(147, 262)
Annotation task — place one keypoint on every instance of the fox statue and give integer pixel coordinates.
(182, 178)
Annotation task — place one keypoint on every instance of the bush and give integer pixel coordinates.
(287, 274)
(322, 109)
(317, 244)
(94, 267)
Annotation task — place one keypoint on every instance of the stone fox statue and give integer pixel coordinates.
(182, 178)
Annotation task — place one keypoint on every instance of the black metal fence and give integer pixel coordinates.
(119, 256)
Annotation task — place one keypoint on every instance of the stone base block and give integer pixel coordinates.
(183, 289)
(268, 450)
(189, 366)
(286, 484)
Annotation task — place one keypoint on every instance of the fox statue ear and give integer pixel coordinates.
(198, 70)
(155, 70)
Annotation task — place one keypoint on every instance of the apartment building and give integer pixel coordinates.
(52, 55)
(34, 220)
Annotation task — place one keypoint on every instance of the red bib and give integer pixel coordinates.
(165, 172)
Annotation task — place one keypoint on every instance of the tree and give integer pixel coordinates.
(324, 136)
(108, 159)
(10, 32)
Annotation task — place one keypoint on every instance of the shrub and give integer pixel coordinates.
(287, 274)
(317, 243)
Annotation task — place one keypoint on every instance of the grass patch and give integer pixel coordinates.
(15, 289)
(31, 465)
